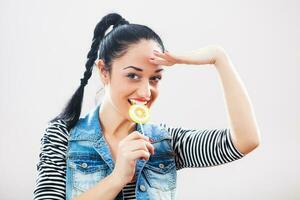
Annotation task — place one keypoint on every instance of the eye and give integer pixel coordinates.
(132, 76)
(156, 78)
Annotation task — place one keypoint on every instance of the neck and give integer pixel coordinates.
(113, 124)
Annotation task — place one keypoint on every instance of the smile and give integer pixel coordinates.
(132, 102)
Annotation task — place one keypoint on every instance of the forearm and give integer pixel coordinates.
(106, 189)
(243, 128)
(241, 116)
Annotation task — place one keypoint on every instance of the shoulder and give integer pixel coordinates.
(56, 130)
(161, 127)
(61, 124)
(171, 129)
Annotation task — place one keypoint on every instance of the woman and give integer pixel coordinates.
(105, 155)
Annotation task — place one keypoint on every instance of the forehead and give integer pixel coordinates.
(143, 48)
(139, 55)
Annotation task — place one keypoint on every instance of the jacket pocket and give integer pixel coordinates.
(160, 172)
(86, 172)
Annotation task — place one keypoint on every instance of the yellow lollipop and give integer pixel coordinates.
(139, 113)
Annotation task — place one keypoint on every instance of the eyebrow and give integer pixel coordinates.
(139, 69)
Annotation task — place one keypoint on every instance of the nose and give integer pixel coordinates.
(144, 91)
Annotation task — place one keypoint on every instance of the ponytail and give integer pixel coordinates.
(71, 112)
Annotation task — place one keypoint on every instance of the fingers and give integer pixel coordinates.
(163, 59)
(164, 56)
(161, 62)
(174, 58)
(161, 55)
(141, 144)
(150, 147)
(136, 135)
(139, 154)
(136, 145)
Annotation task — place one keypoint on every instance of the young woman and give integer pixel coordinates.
(105, 155)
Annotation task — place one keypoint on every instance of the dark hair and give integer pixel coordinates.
(107, 47)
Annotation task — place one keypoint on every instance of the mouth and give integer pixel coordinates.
(132, 102)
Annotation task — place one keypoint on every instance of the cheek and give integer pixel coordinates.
(122, 92)
(155, 90)
(154, 94)
(119, 86)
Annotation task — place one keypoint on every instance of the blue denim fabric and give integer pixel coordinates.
(89, 161)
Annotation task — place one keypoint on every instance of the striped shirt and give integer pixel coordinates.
(216, 148)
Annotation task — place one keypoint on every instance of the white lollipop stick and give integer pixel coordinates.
(142, 129)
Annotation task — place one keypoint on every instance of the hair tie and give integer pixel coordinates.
(122, 21)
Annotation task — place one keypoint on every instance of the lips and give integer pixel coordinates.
(135, 101)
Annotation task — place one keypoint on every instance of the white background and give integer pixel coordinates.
(43, 48)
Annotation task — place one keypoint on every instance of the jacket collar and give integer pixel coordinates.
(89, 128)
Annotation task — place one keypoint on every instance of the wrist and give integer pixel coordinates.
(117, 181)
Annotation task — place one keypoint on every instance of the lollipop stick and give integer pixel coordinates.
(142, 129)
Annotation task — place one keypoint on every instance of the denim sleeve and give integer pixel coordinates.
(51, 167)
(202, 148)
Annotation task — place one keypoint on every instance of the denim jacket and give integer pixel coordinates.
(89, 161)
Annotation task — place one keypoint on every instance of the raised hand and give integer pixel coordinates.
(202, 56)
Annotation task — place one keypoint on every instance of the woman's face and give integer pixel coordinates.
(133, 76)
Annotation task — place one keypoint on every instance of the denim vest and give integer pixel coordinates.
(89, 161)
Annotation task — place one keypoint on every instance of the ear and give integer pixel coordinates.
(104, 74)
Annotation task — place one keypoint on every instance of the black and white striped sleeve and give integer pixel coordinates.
(51, 167)
(202, 148)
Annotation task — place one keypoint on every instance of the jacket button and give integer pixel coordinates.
(142, 188)
(161, 165)
(84, 165)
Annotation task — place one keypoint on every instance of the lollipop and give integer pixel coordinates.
(139, 113)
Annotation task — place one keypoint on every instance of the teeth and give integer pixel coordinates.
(132, 101)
